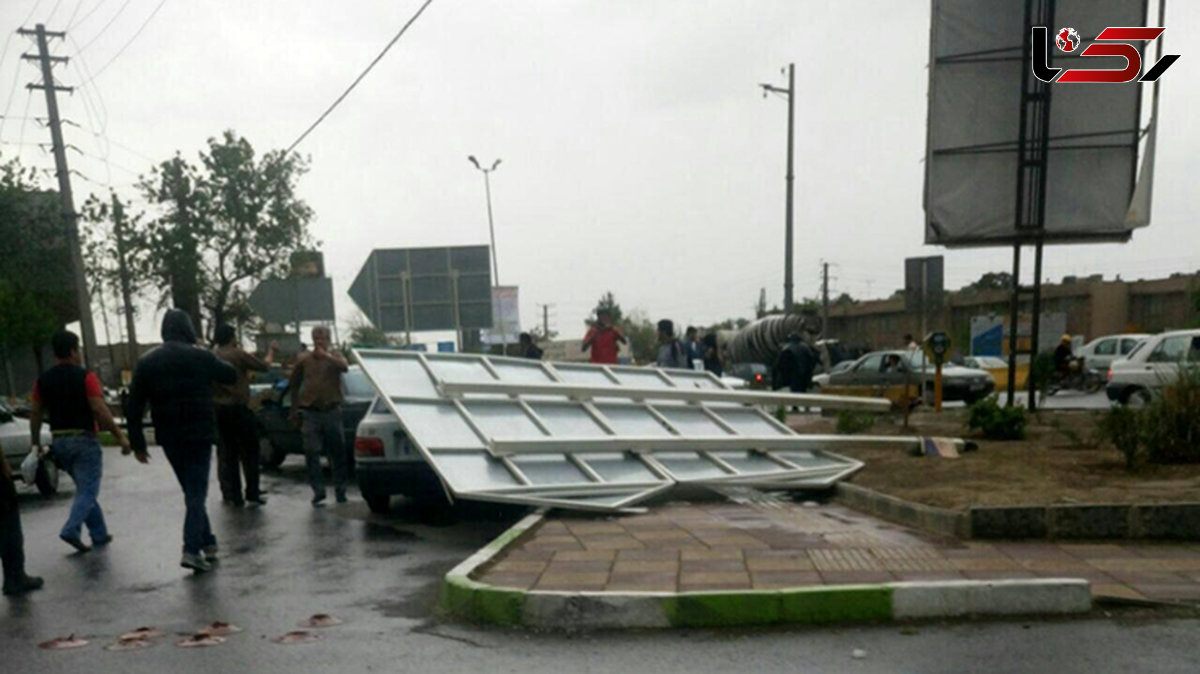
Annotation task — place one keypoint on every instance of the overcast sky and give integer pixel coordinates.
(639, 155)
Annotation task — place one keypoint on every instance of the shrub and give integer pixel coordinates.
(781, 414)
(997, 422)
(1122, 426)
(849, 422)
(1166, 430)
(1171, 422)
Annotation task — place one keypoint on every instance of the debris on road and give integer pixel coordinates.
(220, 629)
(200, 640)
(321, 620)
(297, 637)
(63, 643)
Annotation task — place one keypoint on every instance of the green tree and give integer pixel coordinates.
(36, 289)
(607, 301)
(363, 334)
(232, 220)
(642, 335)
(992, 280)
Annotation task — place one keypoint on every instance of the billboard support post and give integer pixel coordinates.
(457, 317)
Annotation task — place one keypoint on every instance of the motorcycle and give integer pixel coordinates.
(1078, 377)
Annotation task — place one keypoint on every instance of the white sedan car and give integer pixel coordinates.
(14, 438)
(1100, 353)
(1153, 363)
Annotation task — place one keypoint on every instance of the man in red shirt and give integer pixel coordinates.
(73, 400)
(602, 338)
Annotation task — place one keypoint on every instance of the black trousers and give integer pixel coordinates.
(237, 452)
(12, 542)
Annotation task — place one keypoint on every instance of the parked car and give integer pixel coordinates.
(278, 437)
(1154, 362)
(886, 374)
(1100, 353)
(387, 462)
(14, 437)
(997, 367)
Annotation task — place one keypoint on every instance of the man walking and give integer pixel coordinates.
(237, 452)
(316, 392)
(671, 352)
(74, 402)
(176, 379)
(12, 543)
(602, 338)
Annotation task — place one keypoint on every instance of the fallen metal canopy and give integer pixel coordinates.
(596, 437)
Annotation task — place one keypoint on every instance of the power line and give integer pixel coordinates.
(106, 26)
(53, 10)
(359, 78)
(87, 16)
(71, 19)
(131, 41)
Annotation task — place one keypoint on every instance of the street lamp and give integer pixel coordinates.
(487, 186)
(790, 93)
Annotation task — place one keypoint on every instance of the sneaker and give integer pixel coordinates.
(103, 540)
(318, 500)
(26, 584)
(76, 543)
(257, 500)
(195, 563)
(210, 551)
(341, 496)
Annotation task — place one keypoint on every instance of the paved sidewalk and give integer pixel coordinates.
(777, 544)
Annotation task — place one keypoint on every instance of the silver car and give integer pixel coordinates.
(14, 437)
(1100, 353)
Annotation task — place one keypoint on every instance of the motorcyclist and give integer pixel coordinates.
(1063, 355)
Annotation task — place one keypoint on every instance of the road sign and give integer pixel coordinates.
(924, 278)
(292, 300)
(414, 289)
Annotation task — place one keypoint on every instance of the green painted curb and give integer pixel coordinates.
(836, 604)
(722, 609)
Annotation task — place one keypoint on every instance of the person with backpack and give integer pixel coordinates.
(671, 352)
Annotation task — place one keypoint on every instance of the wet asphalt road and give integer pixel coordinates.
(287, 561)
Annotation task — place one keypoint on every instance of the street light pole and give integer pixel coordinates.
(487, 187)
(790, 93)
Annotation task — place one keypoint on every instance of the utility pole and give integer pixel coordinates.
(82, 298)
(825, 299)
(790, 92)
(118, 211)
(546, 320)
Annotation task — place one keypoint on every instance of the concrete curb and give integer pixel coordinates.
(1091, 521)
(464, 597)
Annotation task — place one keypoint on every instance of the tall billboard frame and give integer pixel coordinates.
(1124, 204)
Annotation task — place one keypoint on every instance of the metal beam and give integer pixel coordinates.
(585, 392)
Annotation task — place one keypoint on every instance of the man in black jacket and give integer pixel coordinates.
(177, 379)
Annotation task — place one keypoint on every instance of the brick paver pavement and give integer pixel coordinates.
(774, 544)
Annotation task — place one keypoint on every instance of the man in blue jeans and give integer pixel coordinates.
(74, 402)
(177, 380)
(316, 393)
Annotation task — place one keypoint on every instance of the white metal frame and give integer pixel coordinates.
(679, 390)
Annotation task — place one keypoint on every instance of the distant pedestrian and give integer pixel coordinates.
(73, 400)
(528, 348)
(691, 344)
(603, 338)
(12, 543)
(671, 352)
(177, 379)
(795, 365)
(237, 452)
(712, 356)
(316, 392)
(910, 343)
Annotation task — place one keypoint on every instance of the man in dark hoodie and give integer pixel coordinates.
(176, 379)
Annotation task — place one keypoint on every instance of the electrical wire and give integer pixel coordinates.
(53, 11)
(87, 16)
(358, 79)
(78, 6)
(105, 28)
(136, 34)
